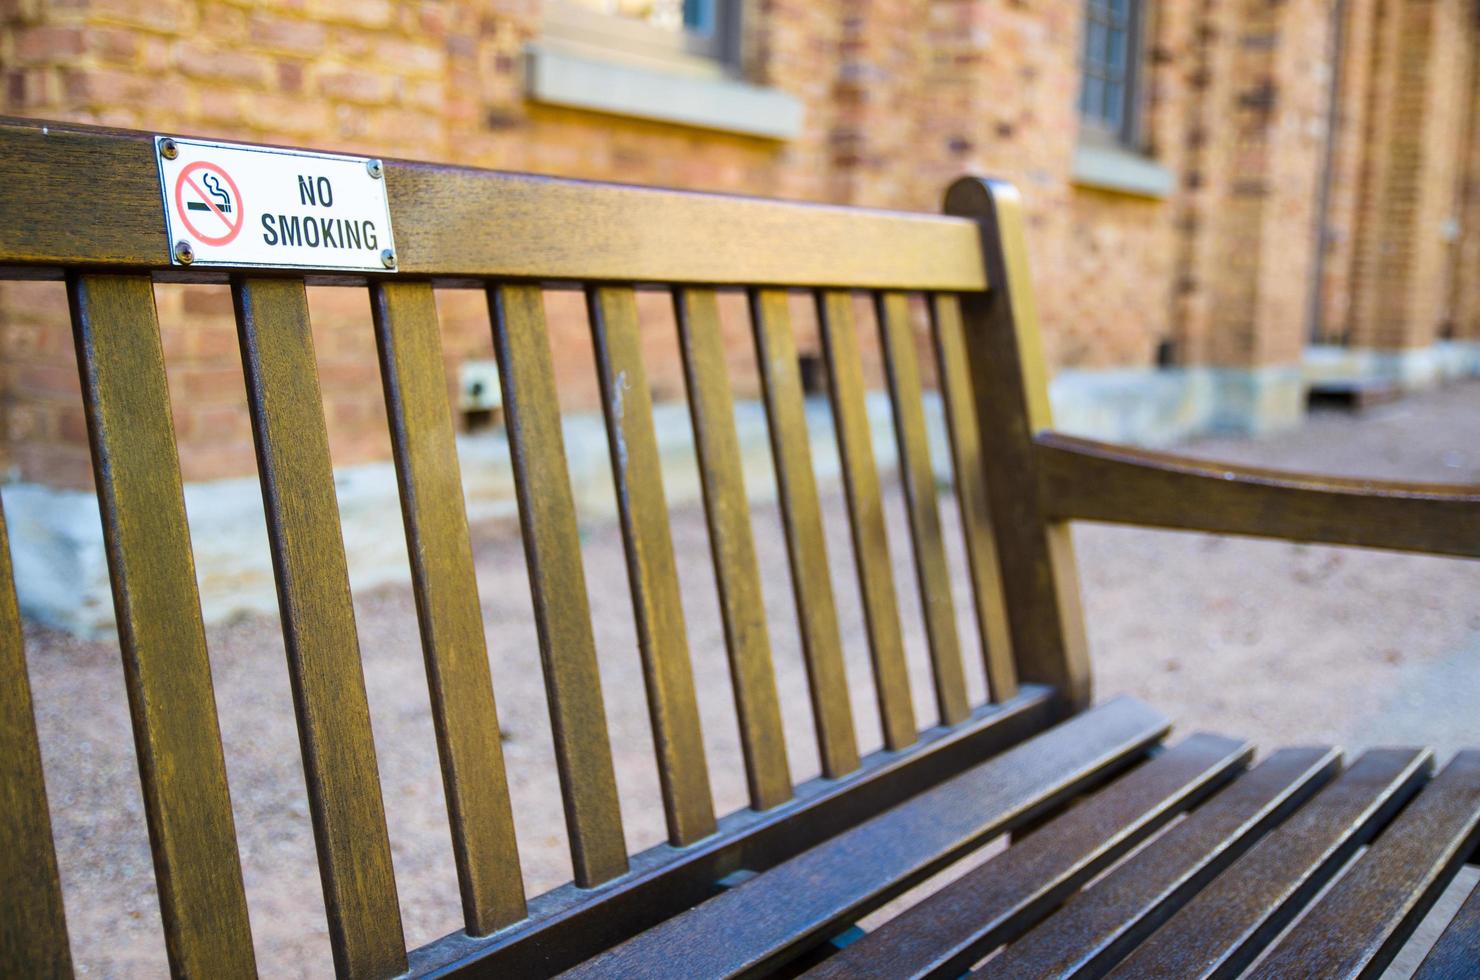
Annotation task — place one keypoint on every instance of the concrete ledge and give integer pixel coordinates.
(1160, 407)
(1104, 168)
(562, 78)
(1409, 370)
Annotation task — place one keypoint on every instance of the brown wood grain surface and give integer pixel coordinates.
(1080, 478)
(801, 519)
(736, 572)
(33, 922)
(932, 573)
(571, 924)
(758, 925)
(1009, 382)
(1225, 926)
(954, 374)
(161, 635)
(447, 608)
(1360, 924)
(319, 627)
(866, 517)
(1100, 925)
(637, 473)
(1457, 951)
(944, 933)
(557, 580)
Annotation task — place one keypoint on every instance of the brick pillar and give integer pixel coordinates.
(1466, 286)
(1409, 204)
(877, 100)
(1271, 141)
(1351, 140)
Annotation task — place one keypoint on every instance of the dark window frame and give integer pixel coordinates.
(1111, 68)
(709, 43)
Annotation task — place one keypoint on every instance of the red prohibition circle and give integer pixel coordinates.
(186, 178)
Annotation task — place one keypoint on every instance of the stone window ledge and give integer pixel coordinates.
(1121, 171)
(559, 77)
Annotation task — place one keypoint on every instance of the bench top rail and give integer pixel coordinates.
(460, 223)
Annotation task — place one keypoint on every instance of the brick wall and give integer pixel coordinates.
(900, 96)
(1421, 98)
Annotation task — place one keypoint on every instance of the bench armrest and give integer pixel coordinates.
(1080, 479)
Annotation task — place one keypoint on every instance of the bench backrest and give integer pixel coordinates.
(514, 236)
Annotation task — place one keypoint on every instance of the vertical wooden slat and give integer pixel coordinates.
(931, 571)
(801, 516)
(638, 476)
(33, 924)
(866, 517)
(752, 675)
(552, 550)
(166, 670)
(971, 496)
(1010, 386)
(446, 587)
(319, 627)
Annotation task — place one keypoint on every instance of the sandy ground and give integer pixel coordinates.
(1283, 643)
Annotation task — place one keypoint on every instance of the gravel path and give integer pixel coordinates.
(1284, 643)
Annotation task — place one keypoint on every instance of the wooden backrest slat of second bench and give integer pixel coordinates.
(731, 540)
(866, 517)
(324, 667)
(451, 619)
(917, 473)
(557, 580)
(33, 922)
(166, 669)
(801, 518)
(953, 373)
(662, 641)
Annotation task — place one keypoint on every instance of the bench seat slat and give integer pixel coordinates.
(652, 574)
(448, 611)
(946, 932)
(759, 924)
(1357, 927)
(1098, 926)
(801, 518)
(557, 581)
(319, 627)
(1220, 931)
(1454, 956)
(731, 540)
(932, 574)
(33, 923)
(954, 376)
(866, 518)
(161, 635)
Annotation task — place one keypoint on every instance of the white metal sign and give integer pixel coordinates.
(229, 204)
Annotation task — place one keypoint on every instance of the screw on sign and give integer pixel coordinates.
(208, 202)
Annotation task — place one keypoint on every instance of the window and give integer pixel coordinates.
(675, 61)
(1107, 96)
(696, 36)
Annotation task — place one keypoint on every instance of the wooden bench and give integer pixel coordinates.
(776, 886)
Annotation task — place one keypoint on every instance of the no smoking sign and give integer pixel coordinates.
(231, 204)
(209, 203)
